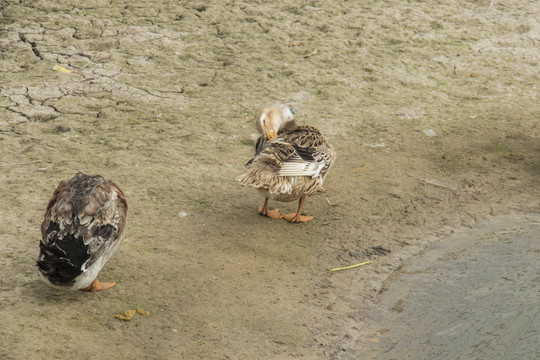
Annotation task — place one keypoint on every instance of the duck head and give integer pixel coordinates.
(274, 118)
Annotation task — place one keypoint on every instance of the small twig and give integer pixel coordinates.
(26, 163)
(310, 54)
(437, 183)
(491, 4)
(350, 267)
(331, 203)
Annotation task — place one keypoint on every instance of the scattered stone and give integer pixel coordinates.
(429, 132)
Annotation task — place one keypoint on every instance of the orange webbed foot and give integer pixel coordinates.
(296, 218)
(273, 214)
(97, 285)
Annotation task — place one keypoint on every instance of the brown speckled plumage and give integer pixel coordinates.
(84, 222)
(292, 165)
(305, 148)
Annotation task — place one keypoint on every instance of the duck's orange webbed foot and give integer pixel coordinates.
(297, 218)
(97, 285)
(273, 214)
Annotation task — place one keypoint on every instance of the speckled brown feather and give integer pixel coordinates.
(293, 144)
(81, 206)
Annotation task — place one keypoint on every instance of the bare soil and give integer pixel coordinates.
(432, 106)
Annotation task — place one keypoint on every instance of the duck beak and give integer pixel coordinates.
(270, 134)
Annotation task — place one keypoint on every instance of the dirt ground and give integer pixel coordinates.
(432, 106)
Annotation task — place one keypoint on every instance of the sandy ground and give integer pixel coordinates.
(162, 99)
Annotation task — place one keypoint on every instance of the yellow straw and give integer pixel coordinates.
(350, 267)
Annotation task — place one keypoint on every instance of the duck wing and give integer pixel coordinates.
(309, 154)
(301, 152)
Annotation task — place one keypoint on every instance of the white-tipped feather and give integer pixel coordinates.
(85, 219)
(295, 168)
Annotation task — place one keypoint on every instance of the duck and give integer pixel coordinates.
(291, 162)
(82, 228)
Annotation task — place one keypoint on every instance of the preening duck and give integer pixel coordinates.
(290, 163)
(83, 226)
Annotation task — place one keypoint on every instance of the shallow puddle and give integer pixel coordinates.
(474, 295)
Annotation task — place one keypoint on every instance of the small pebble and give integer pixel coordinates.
(182, 214)
(429, 132)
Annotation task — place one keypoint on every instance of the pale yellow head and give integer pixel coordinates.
(273, 118)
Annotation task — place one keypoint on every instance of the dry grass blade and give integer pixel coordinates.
(350, 267)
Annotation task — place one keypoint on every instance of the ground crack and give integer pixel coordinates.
(18, 112)
(32, 45)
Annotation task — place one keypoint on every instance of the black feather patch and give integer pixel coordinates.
(304, 153)
(60, 260)
(260, 145)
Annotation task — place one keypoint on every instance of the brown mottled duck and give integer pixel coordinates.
(290, 163)
(83, 226)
